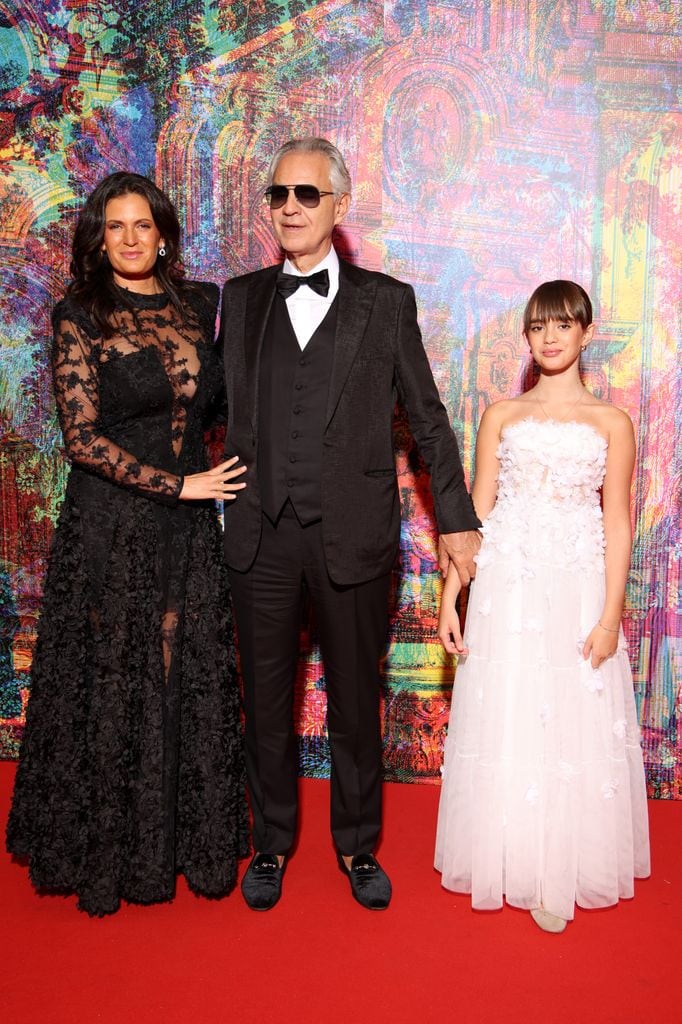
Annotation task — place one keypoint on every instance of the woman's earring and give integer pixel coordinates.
(583, 347)
(162, 251)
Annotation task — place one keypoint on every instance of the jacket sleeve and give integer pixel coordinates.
(430, 424)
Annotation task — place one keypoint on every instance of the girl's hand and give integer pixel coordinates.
(217, 483)
(600, 645)
(449, 632)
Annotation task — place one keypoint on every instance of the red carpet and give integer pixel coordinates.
(319, 957)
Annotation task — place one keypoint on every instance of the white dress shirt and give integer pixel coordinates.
(306, 308)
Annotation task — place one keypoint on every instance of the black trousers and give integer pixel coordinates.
(352, 623)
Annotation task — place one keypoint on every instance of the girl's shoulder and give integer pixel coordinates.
(496, 417)
(503, 408)
(611, 421)
(501, 414)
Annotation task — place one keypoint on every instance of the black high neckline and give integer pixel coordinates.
(143, 300)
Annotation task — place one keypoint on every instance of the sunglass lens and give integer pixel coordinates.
(307, 195)
(276, 195)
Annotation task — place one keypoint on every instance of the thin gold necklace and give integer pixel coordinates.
(561, 419)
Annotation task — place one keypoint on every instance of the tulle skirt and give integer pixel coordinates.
(543, 800)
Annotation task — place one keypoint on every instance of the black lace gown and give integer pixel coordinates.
(131, 767)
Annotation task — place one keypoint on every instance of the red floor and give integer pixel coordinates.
(319, 957)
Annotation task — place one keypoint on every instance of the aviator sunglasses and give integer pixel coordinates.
(307, 195)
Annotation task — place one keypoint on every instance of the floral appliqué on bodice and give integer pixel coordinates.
(548, 498)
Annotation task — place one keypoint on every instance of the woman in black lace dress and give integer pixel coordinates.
(131, 767)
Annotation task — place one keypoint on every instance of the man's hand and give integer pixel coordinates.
(459, 548)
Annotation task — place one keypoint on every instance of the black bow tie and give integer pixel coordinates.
(288, 283)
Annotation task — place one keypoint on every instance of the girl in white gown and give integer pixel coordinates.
(543, 800)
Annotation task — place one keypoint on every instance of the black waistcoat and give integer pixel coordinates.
(292, 406)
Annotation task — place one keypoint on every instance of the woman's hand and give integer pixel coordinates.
(600, 644)
(217, 483)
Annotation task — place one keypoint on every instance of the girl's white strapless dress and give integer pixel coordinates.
(543, 800)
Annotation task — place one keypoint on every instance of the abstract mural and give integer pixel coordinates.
(493, 144)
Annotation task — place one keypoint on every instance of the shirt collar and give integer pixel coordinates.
(330, 263)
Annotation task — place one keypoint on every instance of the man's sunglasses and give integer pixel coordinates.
(307, 195)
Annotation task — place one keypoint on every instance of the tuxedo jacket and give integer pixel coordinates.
(378, 359)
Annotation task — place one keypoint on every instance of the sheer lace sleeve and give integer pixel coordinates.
(75, 365)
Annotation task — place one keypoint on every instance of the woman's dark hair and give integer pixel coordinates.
(93, 279)
(558, 300)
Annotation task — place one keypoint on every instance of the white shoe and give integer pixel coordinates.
(548, 922)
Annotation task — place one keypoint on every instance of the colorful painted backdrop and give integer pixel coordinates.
(493, 144)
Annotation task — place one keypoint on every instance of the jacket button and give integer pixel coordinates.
(292, 458)
(296, 410)
(298, 386)
(294, 433)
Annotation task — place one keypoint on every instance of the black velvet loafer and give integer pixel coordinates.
(369, 883)
(262, 883)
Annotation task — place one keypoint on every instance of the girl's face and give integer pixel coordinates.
(557, 344)
(131, 240)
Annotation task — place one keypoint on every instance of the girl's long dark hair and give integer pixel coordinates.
(92, 275)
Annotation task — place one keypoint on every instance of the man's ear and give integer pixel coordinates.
(342, 205)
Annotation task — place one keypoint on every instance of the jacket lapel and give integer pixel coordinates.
(357, 291)
(259, 299)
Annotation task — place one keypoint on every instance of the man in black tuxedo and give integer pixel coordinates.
(316, 353)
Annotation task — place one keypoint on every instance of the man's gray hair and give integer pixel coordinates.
(338, 172)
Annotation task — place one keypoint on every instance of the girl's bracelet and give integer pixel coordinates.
(608, 629)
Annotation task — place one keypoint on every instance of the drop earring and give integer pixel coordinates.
(162, 251)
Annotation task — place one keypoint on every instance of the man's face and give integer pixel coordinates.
(306, 234)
